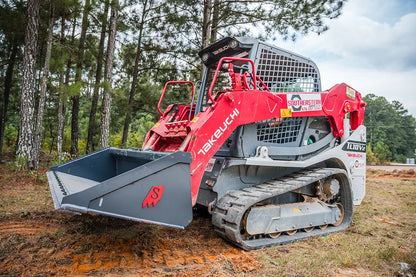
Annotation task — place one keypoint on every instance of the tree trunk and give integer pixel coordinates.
(91, 124)
(108, 76)
(206, 23)
(74, 126)
(61, 105)
(61, 122)
(78, 76)
(215, 21)
(127, 119)
(27, 102)
(8, 82)
(65, 81)
(41, 105)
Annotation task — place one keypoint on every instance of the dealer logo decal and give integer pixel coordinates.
(154, 195)
(304, 102)
(295, 100)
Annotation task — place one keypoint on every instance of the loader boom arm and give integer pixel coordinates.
(207, 131)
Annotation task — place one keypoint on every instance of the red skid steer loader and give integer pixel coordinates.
(272, 157)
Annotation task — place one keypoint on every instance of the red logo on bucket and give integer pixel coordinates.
(154, 195)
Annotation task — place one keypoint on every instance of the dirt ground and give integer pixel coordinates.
(35, 240)
(392, 167)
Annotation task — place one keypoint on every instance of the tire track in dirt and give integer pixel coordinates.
(24, 228)
(164, 254)
(61, 248)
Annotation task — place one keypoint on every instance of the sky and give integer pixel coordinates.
(371, 47)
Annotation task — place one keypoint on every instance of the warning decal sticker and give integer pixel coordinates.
(304, 102)
(350, 93)
(285, 113)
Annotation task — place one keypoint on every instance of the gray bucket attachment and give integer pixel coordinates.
(153, 187)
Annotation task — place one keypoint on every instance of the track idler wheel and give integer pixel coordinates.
(341, 218)
(323, 227)
(291, 233)
(275, 235)
(308, 230)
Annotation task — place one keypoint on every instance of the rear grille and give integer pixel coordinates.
(279, 130)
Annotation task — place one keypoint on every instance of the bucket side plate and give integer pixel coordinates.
(157, 192)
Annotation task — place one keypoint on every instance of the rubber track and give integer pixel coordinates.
(230, 209)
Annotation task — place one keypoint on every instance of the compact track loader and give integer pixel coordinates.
(272, 157)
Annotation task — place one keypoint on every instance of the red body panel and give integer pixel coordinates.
(206, 132)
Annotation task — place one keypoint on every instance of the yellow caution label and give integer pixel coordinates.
(195, 119)
(157, 124)
(285, 113)
(351, 93)
(296, 210)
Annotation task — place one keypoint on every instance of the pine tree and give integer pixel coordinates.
(12, 29)
(287, 18)
(78, 78)
(94, 103)
(27, 102)
(145, 8)
(108, 76)
(41, 104)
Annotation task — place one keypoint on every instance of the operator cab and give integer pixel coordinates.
(279, 69)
